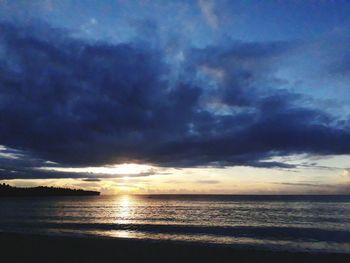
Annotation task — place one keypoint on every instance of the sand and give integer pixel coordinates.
(35, 248)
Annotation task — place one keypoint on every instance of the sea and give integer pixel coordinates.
(289, 223)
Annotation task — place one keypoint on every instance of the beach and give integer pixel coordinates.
(41, 248)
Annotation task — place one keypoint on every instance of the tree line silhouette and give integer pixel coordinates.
(7, 190)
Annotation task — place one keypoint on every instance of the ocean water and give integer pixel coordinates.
(293, 223)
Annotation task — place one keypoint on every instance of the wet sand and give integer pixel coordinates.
(35, 248)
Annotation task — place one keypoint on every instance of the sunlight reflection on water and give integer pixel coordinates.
(303, 224)
(123, 207)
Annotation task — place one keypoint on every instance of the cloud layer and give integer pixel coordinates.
(81, 103)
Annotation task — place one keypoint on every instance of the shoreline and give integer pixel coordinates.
(43, 248)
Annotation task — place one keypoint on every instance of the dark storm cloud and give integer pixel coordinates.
(92, 180)
(83, 104)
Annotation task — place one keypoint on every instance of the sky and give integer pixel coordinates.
(176, 97)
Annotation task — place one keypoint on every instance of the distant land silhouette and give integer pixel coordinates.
(7, 190)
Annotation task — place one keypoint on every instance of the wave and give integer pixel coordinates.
(277, 233)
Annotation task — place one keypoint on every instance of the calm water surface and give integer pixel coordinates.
(314, 223)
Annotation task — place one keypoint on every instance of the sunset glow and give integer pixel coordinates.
(222, 97)
(124, 169)
(175, 131)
